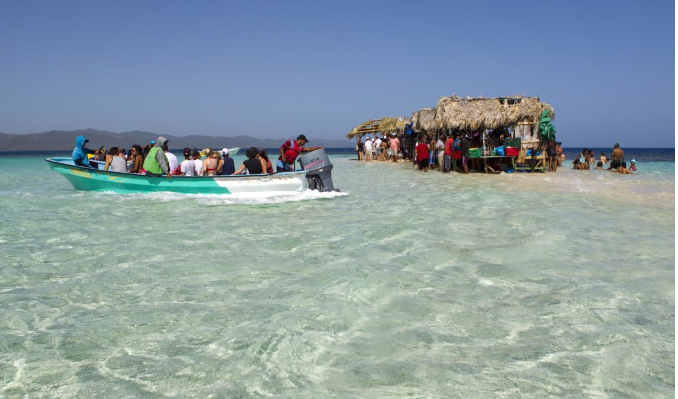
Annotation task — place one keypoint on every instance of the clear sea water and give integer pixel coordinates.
(406, 284)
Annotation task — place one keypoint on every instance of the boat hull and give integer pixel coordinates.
(242, 185)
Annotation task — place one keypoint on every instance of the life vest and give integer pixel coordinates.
(291, 152)
(151, 164)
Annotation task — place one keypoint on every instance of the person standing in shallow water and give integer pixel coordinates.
(423, 154)
(465, 145)
(447, 155)
(395, 147)
(368, 149)
(617, 157)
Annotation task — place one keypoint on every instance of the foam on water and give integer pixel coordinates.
(230, 199)
(415, 284)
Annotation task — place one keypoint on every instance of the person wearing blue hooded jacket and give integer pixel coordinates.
(80, 152)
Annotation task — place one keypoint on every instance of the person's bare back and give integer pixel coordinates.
(617, 154)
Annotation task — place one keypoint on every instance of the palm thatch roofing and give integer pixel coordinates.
(424, 119)
(456, 113)
(488, 113)
(371, 126)
(384, 125)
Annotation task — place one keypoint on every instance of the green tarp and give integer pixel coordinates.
(547, 131)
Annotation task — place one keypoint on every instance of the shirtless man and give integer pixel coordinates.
(617, 157)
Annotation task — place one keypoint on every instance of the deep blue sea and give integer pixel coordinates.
(405, 284)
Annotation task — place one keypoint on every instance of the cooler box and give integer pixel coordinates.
(456, 154)
(513, 142)
(474, 153)
(512, 151)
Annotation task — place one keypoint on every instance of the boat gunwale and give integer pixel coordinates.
(140, 175)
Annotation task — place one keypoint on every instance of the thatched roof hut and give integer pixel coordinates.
(386, 125)
(401, 121)
(455, 113)
(488, 113)
(424, 120)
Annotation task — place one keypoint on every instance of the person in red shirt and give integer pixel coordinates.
(289, 152)
(422, 154)
(447, 157)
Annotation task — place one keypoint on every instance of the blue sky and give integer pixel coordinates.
(279, 68)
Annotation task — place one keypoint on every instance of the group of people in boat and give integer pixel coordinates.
(618, 164)
(156, 159)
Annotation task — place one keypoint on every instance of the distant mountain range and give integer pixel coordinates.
(59, 140)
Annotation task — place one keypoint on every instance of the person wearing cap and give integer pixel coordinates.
(633, 166)
(80, 152)
(195, 154)
(228, 167)
(156, 163)
(368, 149)
(289, 152)
(187, 167)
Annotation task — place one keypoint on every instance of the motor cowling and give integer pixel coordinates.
(318, 170)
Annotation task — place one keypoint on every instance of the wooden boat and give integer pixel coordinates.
(90, 179)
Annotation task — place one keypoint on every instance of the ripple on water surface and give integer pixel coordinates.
(404, 284)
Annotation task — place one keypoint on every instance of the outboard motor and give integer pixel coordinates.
(319, 170)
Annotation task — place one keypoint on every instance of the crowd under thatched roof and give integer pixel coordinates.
(456, 113)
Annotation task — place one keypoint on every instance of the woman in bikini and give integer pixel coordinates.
(210, 166)
(136, 159)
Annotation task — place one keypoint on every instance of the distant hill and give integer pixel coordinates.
(59, 140)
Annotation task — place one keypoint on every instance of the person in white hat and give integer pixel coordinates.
(229, 164)
(368, 149)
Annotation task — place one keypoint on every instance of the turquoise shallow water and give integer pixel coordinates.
(407, 285)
